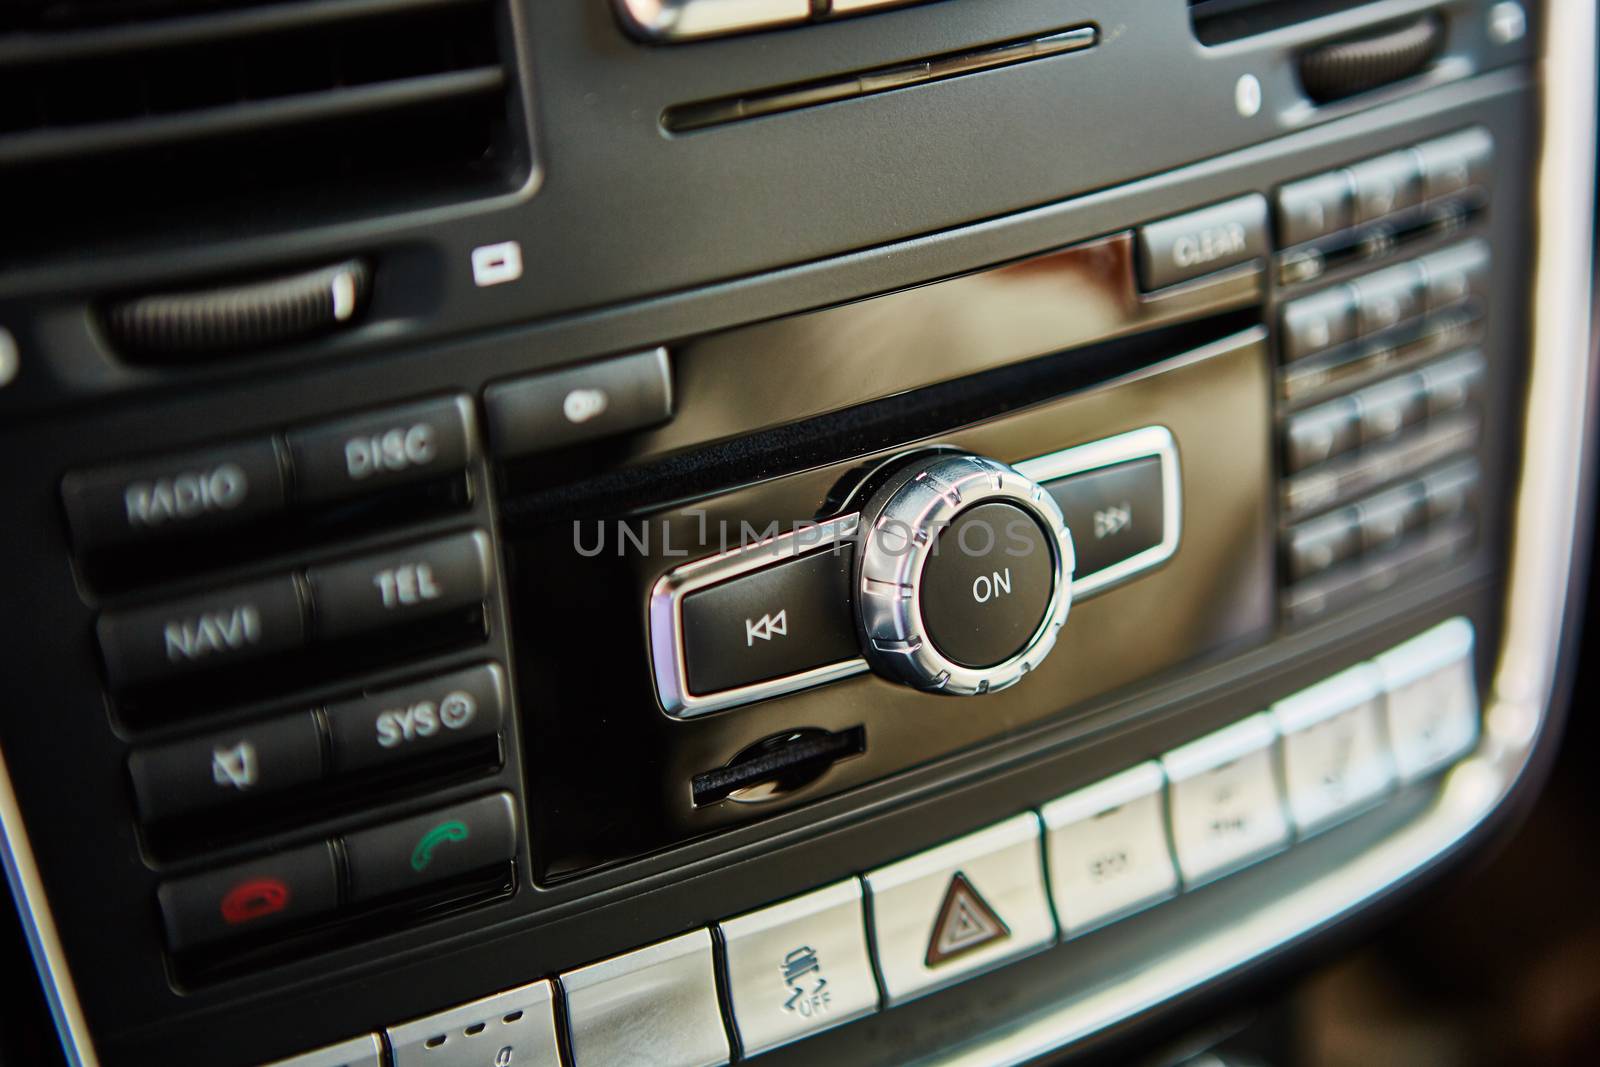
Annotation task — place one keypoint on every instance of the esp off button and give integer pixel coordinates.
(422, 719)
(1186, 246)
(369, 453)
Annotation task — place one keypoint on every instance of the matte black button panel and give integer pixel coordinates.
(1186, 246)
(1314, 207)
(567, 407)
(780, 620)
(425, 719)
(256, 760)
(395, 588)
(987, 586)
(179, 639)
(369, 453)
(156, 500)
(285, 889)
(1114, 513)
(415, 853)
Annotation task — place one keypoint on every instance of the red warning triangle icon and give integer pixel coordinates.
(965, 922)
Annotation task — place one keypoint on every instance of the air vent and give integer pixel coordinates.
(123, 120)
(1219, 21)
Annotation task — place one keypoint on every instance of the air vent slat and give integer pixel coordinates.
(40, 146)
(34, 48)
(226, 117)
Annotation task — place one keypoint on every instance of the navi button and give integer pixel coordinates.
(425, 850)
(961, 908)
(780, 620)
(279, 890)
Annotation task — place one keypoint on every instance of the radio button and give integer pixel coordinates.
(395, 588)
(423, 719)
(169, 642)
(284, 889)
(1313, 207)
(1115, 512)
(426, 850)
(566, 407)
(780, 620)
(1385, 185)
(154, 500)
(1186, 246)
(1314, 323)
(257, 760)
(370, 453)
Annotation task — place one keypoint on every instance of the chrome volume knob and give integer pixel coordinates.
(963, 575)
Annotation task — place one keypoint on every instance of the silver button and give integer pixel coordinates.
(1223, 797)
(517, 1027)
(1431, 699)
(1106, 846)
(1335, 762)
(1456, 273)
(655, 1005)
(959, 909)
(687, 20)
(799, 967)
(1317, 322)
(357, 1052)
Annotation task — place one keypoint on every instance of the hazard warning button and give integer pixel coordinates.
(961, 908)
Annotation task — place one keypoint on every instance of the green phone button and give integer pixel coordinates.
(465, 840)
(428, 843)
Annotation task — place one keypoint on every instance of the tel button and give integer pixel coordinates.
(360, 596)
(253, 761)
(429, 849)
(284, 889)
(171, 641)
(369, 453)
(144, 502)
(401, 724)
(781, 620)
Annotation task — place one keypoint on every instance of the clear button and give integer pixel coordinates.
(1335, 762)
(1106, 846)
(799, 967)
(1224, 800)
(655, 1005)
(961, 908)
(1431, 698)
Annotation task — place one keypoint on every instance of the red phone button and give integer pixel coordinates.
(284, 888)
(255, 898)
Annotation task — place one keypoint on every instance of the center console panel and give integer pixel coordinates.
(465, 677)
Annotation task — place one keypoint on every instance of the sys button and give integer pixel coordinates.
(424, 719)
(1114, 512)
(784, 619)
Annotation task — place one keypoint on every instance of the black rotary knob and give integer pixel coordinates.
(964, 575)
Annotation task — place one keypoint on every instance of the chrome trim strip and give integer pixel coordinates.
(1135, 444)
(39, 925)
(1547, 521)
(666, 619)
